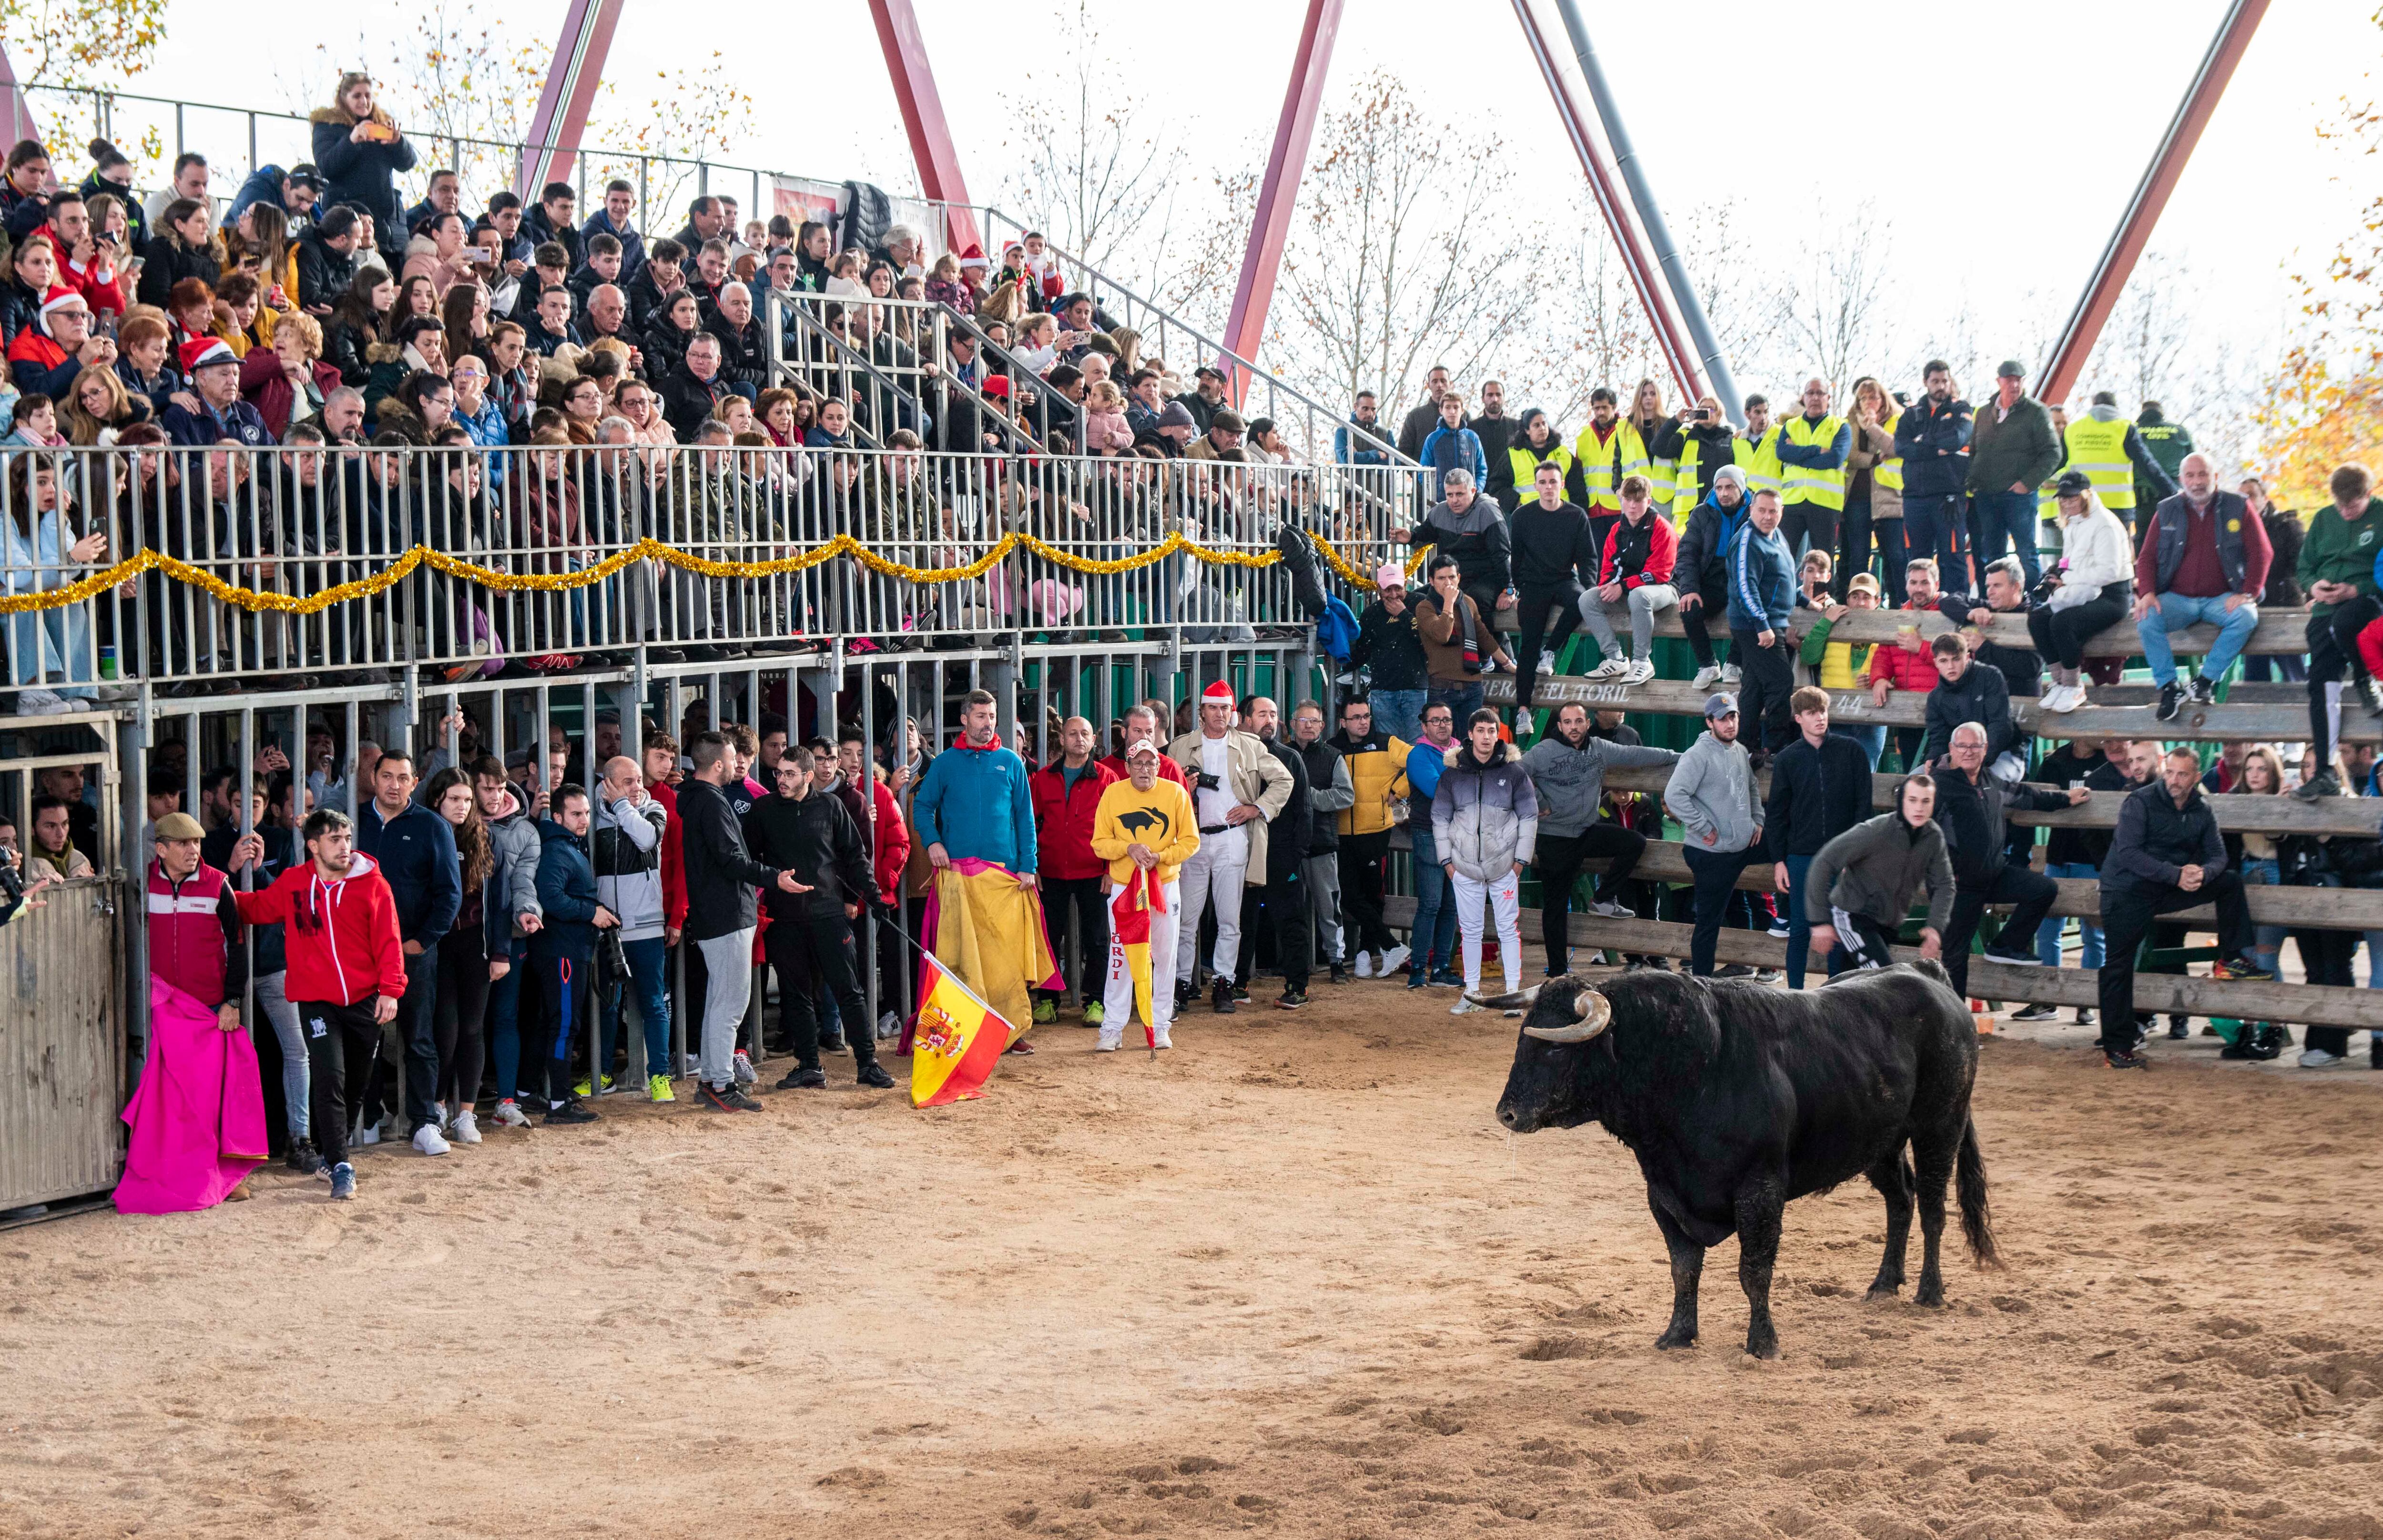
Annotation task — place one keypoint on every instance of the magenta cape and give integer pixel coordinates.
(198, 1119)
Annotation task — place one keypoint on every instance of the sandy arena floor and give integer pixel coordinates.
(1292, 1278)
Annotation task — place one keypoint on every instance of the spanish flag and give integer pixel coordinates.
(1129, 917)
(958, 1040)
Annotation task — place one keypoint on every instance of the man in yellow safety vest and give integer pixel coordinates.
(1812, 448)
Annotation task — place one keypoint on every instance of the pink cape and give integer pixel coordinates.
(198, 1119)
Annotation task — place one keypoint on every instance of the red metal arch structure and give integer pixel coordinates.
(1682, 333)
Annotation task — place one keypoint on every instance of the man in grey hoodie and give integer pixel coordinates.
(1568, 770)
(512, 837)
(1860, 886)
(1712, 793)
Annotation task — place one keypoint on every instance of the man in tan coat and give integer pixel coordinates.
(1237, 786)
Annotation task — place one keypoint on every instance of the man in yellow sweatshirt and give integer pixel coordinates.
(1144, 823)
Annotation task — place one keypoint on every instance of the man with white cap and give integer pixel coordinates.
(1712, 793)
(1144, 824)
(1238, 786)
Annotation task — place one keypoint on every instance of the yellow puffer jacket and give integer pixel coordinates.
(1377, 770)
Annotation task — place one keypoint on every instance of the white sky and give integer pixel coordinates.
(2002, 156)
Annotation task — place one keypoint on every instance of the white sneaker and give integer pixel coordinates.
(745, 1072)
(369, 1134)
(1546, 663)
(1364, 966)
(2061, 698)
(2076, 697)
(510, 1115)
(1730, 675)
(1613, 667)
(2317, 1058)
(1394, 959)
(466, 1129)
(1640, 671)
(888, 1026)
(1110, 1042)
(1707, 677)
(1779, 931)
(1464, 1006)
(1164, 1041)
(1612, 910)
(428, 1141)
(42, 703)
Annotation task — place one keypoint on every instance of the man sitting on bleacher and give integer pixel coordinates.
(2165, 856)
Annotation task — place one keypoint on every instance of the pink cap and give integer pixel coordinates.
(1389, 572)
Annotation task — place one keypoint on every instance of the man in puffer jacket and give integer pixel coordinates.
(1701, 572)
(1485, 824)
(1761, 602)
(562, 954)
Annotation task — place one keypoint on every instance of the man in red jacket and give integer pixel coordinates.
(1142, 721)
(1905, 662)
(347, 972)
(1067, 795)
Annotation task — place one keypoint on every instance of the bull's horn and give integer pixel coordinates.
(1594, 1010)
(1519, 1001)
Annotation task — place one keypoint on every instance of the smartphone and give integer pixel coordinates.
(1701, 414)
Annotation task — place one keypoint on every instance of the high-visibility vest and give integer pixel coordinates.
(1888, 473)
(1598, 468)
(2099, 450)
(1684, 495)
(1801, 482)
(1762, 467)
(1660, 475)
(2047, 501)
(1526, 460)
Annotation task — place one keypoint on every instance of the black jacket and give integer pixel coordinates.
(1981, 695)
(362, 174)
(2154, 837)
(687, 400)
(323, 274)
(1551, 547)
(2065, 846)
(1321, 760)
(721, 874)
(744, 351)
(1816, 794)
(540, 229)
(2022, 670)
(1934, 445)
(168, 262)
(1392, 647)
(1972, 816)
(1288, 831)
(817, 840)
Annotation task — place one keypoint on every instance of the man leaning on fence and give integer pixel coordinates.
(2165, 856)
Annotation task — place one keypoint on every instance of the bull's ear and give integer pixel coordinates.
(1594, 1010)
(1519, 1001)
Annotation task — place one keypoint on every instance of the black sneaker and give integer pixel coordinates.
(1339, 973)
(2130, 1060)
(2201, 691)
(2035, 1013)
(2178, 1029)
(303, 1158)
(2013, 960)
(803, 1079)
(569, 1111)
(727, 1098)
(2241, 968)
(831, 1044)
(2171, 700)
(2085, 1016)
(1185, 991)
(1735, 970)
(873, 1074)
(2325, 784)
(1221, 998)
(1291, 1000)
(1242, 993)
(2373, 1052)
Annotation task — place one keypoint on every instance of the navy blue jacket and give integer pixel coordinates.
(633, 245)
(1934, 445)
(1761, 581)
(566, 889)
(415, 852)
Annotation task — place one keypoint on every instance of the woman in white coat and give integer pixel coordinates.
(2092, 587)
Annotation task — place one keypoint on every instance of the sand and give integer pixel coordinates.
(1290, 1279)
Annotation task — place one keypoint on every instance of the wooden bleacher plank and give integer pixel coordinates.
(2179, 993)
(2279, 631)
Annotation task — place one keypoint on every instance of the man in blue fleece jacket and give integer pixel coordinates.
(974, 805)
(1762, 597)
(416, 850)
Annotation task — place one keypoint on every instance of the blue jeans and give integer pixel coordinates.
(1460, 700)
(1932, 527)
(1872, 740)
(1435, 921)
(2008, 518)
(2260, 871)
(2176, 612)
(2047, 935)
(650, 988)
(504, 1022)
(1799, 928)
(1398, 712)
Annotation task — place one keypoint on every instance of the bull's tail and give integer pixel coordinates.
(1970, 1186)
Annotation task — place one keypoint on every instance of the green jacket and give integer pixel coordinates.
(2020, 449)
(2338, 550)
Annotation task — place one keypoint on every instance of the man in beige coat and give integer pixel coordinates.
(1237, 786)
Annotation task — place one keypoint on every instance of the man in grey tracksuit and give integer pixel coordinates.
(1330, 792)
(1712, 793)
(1567, 768)
(513, 841)
(1860, 886)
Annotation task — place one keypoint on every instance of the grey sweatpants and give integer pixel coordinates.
(1323, 876)
(727, 990)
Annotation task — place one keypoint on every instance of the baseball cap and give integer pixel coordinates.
(1389, 572)
(1720, 706)
(1863, 583)
(180, 826)
(2010, 368)
(2072, 483)
(1142, 745)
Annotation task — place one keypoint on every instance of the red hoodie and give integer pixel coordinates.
(341, 941)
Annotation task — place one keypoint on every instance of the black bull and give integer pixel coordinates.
(1736, 1099)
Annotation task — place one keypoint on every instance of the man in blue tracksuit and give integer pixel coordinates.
(416, 850)
(1433, 940)
(1762, 597)
(562, 957)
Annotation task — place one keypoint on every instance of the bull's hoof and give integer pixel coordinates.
(1678, 1337)
(1883, 1293)
(1931, 1295)
(1761, 1349)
